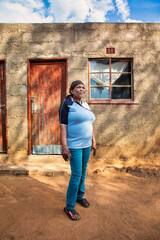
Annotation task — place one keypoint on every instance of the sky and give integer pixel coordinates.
(78, 11)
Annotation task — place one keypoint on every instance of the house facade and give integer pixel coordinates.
(119, 65)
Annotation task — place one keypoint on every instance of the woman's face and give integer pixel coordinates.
(78, 92)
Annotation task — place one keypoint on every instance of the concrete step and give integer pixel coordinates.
(49, 166)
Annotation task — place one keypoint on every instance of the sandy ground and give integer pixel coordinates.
(123, 207)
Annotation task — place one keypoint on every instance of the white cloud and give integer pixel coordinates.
(34, 3)
(35, 11)
(19, 11)
(38, 4)
(80, 11)
(123, 8)
(128, 20)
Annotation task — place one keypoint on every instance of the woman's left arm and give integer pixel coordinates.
(93, 143)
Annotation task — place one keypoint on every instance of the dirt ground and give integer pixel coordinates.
(125, 205)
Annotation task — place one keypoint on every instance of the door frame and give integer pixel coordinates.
(64, 82)
(5, 139)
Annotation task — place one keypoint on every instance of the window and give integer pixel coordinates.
(111, 79)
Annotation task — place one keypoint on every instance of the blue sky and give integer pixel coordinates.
(50, 11)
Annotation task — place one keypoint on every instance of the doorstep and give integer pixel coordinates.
(37, 165)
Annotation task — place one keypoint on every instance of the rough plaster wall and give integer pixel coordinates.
(122, 130)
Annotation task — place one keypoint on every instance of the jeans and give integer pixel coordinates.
(76, 189)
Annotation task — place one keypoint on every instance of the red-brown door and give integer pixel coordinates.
(2, 109)
(47, 90)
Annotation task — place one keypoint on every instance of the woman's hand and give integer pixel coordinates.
(66, 153)
(93, 144)
(94, 148)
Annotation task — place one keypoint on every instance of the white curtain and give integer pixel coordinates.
(117, 68)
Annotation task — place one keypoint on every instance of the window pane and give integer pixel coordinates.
(100, 93)
(121, 79)
(121, 92)
(120, 66)
(100, 79)
(99, 66)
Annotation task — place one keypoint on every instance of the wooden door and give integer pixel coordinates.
(47, 82)
(2, 109)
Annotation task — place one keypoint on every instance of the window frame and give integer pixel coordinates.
(112, 101)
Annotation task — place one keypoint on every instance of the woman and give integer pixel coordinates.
(77, 137)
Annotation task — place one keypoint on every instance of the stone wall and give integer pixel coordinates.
(122, 131)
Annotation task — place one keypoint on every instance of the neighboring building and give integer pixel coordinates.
(120, 66)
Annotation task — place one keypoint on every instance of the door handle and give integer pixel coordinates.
(32, 98)
(33, 105)
(2, 106)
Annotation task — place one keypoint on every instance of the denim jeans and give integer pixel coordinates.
(76, 189)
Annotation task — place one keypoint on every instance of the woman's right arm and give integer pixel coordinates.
(65, 151)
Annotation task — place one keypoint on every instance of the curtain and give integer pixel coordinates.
(117, 67)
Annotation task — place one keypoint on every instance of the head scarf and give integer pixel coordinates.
(74, 84)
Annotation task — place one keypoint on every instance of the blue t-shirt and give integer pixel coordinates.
(78, 118)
